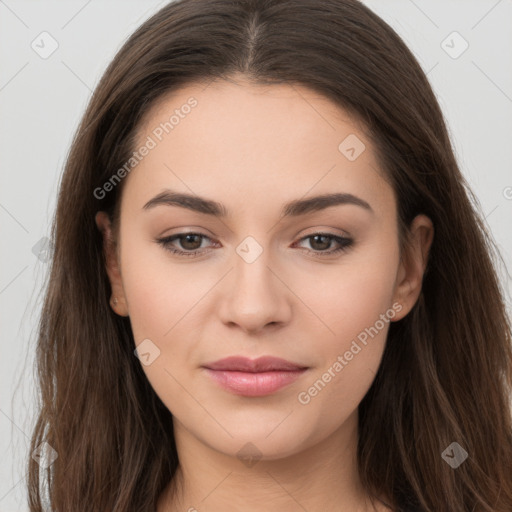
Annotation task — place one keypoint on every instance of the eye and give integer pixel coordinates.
(321, 241)
(191, 243)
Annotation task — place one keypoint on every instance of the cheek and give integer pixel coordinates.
(351, 296)
(355, 304)
(166, 301)
(161, 303)
(159, 292)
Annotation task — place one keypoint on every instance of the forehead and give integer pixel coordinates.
(250, 113)
(230, 139)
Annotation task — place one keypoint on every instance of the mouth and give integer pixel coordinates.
(254, 377)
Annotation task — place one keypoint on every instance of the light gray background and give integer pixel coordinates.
(42, 100)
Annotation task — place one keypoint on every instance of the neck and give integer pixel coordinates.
(321, 477)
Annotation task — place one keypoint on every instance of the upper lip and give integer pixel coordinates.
(261, 364)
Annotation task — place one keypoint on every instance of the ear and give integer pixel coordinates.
(118, 299)
(413, 264)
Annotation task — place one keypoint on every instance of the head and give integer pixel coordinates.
(280, 297)
(267, 118)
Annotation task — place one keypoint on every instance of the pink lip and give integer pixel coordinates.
(254, 377)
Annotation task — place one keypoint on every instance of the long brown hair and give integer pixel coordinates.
(446, 373)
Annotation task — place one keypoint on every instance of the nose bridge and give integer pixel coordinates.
(255, 296)
(252, 275)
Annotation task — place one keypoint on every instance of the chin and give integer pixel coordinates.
(258, 442)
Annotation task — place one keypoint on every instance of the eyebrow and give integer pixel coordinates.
(291, 209)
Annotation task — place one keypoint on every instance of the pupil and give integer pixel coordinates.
(325, 245)
(187, 240)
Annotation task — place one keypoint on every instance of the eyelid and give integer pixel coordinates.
(344, 242)
(325, 230)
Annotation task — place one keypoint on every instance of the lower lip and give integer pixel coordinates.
(254, 384)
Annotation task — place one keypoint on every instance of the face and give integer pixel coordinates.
(273, 273)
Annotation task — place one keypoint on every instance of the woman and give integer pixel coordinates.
(270, 288)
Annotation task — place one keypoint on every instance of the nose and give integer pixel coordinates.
(255, 296)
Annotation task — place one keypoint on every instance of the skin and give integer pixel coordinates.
(254, 148)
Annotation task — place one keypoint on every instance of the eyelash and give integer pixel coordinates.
(344, 242)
